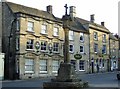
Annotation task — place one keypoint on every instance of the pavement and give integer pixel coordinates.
(96, 81)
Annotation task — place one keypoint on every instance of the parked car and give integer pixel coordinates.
(118, 75)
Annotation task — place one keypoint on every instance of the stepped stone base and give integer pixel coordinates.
(66, 79)
(64, 85)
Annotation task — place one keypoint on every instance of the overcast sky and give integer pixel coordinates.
(104, 10)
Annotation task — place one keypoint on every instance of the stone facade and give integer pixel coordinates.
(99, 48)
(114, 52)
(34, 42)
(83, 67)
(37, 54)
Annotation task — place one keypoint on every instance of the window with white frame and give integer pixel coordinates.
(43, 66)
(55, 66)
(104, 49)
(95, 47)
(104, 38)
(30, 26)
(43, 46)
(71, 35)
(29, 44)
(73, 62)
(17, 43)
(81, 65)
(44, 29)
(81, 37)
(81, 49)
(71, 48)
(29, 66)
(55, 47)
(95, 36)
(56, 31)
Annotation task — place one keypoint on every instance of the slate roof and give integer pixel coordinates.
(31, 11)
(113, 37)
(78, 24)
(17, 8)
(85, 23)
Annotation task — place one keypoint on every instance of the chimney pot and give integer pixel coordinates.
(92, 18)
(72, 11)
(49, 9)
(103, 23)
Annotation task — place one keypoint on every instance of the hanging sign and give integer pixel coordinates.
(77, 56)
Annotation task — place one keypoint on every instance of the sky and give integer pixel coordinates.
(104, 10)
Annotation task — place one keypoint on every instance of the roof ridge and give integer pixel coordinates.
(31, 11)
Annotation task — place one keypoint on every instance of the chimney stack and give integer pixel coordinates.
(103, 23)
(72, 11)
(92, 18)
(49, 9)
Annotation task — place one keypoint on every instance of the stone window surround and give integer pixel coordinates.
(29, 63)
(71, 50)
(30, 26)
(29, 44)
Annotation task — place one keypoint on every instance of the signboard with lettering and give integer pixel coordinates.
(77, 56)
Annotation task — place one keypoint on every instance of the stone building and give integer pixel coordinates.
(118, 38)
(34, 39)
(98, 45)
(78, 42)
(114, 51)
(34, 42)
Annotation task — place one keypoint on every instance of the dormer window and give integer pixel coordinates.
(81, 37)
